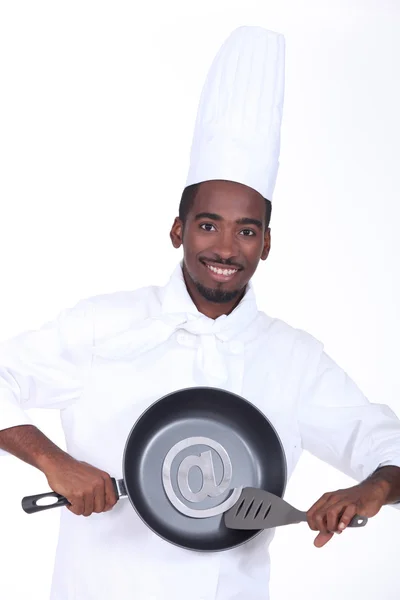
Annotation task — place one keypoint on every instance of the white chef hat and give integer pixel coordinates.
(237, 131)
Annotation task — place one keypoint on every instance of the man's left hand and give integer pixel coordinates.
(334, 511)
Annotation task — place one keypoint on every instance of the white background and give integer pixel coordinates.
(98, 102)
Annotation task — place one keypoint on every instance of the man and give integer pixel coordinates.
(104, 361)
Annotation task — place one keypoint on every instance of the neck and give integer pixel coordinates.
(213, 310)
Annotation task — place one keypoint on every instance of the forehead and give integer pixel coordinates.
(229, 200)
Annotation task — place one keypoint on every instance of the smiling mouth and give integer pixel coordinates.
(221, 273)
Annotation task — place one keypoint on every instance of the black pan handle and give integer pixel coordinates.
(29, 503)
(30, 506)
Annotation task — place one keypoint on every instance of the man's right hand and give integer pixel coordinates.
(87, 489)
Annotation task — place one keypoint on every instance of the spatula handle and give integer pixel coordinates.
(356, 521)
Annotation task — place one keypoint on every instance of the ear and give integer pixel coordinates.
(267, 244)
(176, 233)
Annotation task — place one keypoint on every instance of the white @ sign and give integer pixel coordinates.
(209, 487)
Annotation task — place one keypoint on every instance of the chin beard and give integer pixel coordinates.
(217, 296)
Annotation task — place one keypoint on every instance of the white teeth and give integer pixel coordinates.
(225, 272)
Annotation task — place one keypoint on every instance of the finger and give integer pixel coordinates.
(346, 517)
(77, 505)
(320, 521)
(325, 499)
(99, 497)
(111, 496)
(322, 539)
(88, 502)
(316, 508)
(333, 514)
(314, 518)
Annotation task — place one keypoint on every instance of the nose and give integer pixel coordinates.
(227, 245)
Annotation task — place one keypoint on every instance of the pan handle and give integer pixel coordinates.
(30, 503)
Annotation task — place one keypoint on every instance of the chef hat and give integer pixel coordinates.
(237, 131)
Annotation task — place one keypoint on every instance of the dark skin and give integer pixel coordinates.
(226, 228)
(334, 510)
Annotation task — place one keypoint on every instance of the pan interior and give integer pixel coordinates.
(173, 426)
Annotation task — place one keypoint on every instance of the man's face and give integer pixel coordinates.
(224, 237)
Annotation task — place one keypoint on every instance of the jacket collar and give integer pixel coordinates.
(176, 300)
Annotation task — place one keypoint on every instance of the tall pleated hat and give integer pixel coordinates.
(238, 125)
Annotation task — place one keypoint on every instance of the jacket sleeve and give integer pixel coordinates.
(46, 368)
(341, 427)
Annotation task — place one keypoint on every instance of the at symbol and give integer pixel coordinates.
(209, 485)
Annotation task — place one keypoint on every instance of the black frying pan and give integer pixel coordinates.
(186, 460)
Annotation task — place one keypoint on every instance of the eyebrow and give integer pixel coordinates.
(215, 217)
(248, 221)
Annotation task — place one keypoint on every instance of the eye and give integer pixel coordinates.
(247, 232)
(207, 226)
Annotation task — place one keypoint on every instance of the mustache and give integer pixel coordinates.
(221, 261)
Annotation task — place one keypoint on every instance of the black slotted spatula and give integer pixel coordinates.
(259, 509)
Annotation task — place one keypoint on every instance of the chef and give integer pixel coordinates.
(102, 362)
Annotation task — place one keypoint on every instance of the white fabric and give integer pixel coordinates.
(237, 131)
(104, 361)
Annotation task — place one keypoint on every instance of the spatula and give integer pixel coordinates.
(259, 509)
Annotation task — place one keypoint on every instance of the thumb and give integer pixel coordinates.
(322, 539)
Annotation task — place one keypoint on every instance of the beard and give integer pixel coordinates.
(215, 295)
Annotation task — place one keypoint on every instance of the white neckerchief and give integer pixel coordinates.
(178, 312)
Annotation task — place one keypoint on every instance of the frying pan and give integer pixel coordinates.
(186, 461)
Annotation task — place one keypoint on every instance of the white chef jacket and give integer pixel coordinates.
(104, 361)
